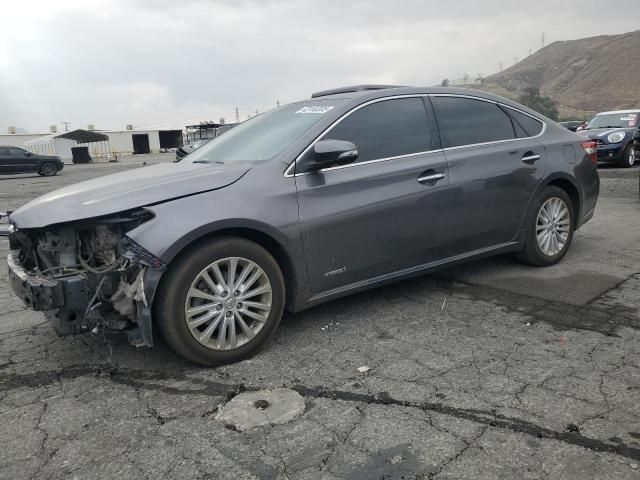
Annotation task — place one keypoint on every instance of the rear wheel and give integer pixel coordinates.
(48, 169)
(628, 157)
(550, 229)
(221, 302)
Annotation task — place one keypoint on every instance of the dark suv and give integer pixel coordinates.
(614, 132)
(19, 160)
(308, 202)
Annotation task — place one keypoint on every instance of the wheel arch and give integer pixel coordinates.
(574, 194)
(251, 232)
(566, 183)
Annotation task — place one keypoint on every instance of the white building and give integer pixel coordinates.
(18, 139)
(104, 144)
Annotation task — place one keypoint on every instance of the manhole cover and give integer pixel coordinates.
(264, 407)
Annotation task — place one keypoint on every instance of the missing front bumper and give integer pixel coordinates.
(42, 294)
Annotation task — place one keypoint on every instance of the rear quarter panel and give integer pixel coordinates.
(567, 160)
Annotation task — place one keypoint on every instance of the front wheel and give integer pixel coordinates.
(628, 157)
(550, 230)
(221, 302)
(48, 169)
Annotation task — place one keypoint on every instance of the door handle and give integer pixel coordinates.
(530, 157)
(431, 177)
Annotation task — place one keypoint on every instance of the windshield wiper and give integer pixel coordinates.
(207, 161)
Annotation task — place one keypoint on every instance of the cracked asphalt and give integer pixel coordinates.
(491, 370)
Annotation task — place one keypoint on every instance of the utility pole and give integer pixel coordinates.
(500, 65)
(66, 126)
(256, 112)
(515, 60)
(237, 115)
(277, 103)
(542, 39)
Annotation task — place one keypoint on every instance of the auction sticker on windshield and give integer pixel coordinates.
(314, 109)
(631, 119)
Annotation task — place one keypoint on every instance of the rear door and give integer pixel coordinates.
(385, 212)
(496, 160)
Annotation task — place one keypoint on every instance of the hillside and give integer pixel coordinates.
(584, 76)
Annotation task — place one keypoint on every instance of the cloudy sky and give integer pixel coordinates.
(162, 63)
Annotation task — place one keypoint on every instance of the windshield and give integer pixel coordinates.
(264, 136)
(614, 120)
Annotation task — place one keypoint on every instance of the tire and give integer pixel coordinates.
(538, 253)
(628, 158)
(48, 169)
(185, 278)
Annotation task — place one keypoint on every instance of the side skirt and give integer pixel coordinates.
(411, 272)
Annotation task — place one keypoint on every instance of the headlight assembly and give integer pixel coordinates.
(615, 137)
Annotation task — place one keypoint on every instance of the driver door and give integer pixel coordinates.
(386, 212)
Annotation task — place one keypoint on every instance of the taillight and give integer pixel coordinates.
(591, 148)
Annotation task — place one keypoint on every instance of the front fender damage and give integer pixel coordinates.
(143, 335)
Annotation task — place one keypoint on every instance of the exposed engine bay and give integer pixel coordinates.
(86, 275)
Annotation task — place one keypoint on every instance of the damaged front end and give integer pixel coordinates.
(87, 275)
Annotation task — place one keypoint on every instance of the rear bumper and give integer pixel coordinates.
(590, 193)
(41, 294)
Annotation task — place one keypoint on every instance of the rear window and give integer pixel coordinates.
(466, 121)
(525, 125)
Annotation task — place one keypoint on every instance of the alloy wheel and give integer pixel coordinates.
(228, 303)
(552, 226)
(632, 157)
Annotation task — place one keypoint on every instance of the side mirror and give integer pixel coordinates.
(580, 128)
(329, 153)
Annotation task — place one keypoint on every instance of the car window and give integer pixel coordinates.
(385, 129)
(465, 121)
(527, 126)
(614, 120)
(4, 152)
(17, 152)
(264, 136)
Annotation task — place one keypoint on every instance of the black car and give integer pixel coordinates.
(573, 125)
(349, 190)
(614, 133)
(19, 160)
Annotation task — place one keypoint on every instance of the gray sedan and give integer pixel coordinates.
(346, 191)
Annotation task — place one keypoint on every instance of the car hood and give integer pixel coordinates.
(124, 191)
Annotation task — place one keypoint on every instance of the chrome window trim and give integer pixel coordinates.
(377, 160)
(289, 173)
